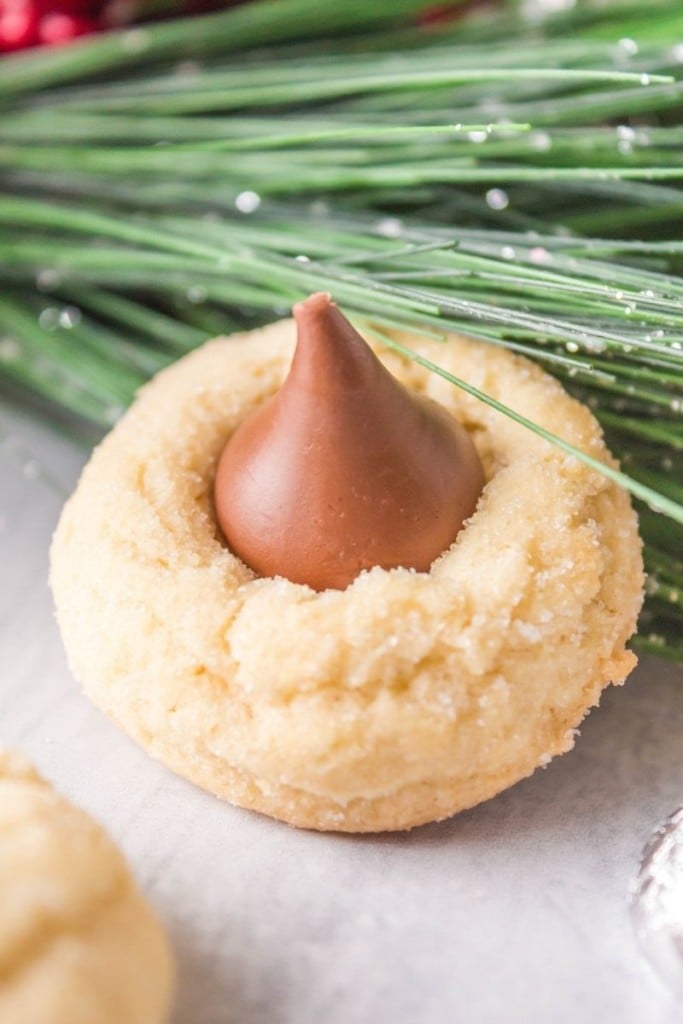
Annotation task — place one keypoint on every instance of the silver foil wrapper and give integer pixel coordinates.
(657, 902)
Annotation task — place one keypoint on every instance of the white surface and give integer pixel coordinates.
(515, 911)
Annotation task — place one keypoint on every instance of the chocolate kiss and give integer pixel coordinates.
(344, 468)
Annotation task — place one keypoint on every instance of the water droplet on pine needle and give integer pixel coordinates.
(540, 141)
(595, 345)
(478, 136)
(389, 227)
(47, 280)
(302, 259)
(645, 79)
(628, 47)
(539, 255)
(571, 346)
(70, 317)
(538, 10)
(48, 319)
(247, 201)
(507, 252)
(196, 294)
(497, 199)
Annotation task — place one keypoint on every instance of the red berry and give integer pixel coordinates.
(56, 28)
(18, 26)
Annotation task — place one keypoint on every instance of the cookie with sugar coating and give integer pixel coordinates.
(402, 699)
(78, 944)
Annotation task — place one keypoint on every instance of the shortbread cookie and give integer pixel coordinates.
(78, 944)
(402, 699)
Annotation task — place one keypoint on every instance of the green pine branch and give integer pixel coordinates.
(515, 181)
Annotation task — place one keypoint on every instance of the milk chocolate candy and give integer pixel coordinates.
(344, 468)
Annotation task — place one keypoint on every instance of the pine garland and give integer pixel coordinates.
(511, 177)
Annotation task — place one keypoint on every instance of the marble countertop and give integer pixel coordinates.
(514, 911)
